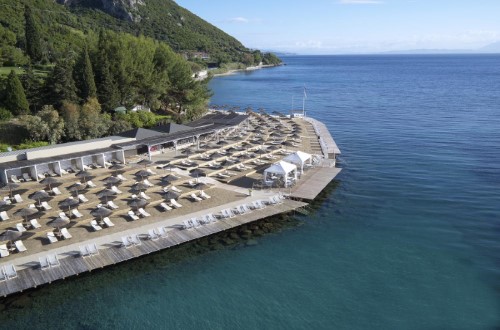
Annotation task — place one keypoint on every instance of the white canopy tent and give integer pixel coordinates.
(299, 158)
(282, 169)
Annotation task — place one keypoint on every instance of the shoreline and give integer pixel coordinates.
(250, 68)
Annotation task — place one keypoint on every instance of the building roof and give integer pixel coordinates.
(140, 133)
(281, 167)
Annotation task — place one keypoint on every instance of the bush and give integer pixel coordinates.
(30, 144)
(5, 114)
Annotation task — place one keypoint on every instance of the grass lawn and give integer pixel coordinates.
(5, 70)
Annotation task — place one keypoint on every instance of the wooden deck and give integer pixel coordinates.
(112, 253)
(326, 138)
(313, 182)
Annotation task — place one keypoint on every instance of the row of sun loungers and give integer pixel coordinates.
(140, 212)
(53, 238)
(49, 261)
(128, 241)
(5, 252)
(89, 250)
(8, 272)
(157, 233)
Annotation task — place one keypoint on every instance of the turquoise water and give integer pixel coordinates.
(406, 238)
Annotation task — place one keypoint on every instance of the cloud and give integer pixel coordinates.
(360, 2)
(239, 20)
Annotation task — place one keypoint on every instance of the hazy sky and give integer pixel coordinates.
(338, 26)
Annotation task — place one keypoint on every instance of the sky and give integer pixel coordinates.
(353, 26)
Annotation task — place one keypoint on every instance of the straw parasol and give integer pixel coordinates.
(106, 193)
(137, 203)
(117, 167)
(10, 186)
(143, 173)
(26, 212)
(76, 187)
(140, 186)
(169, 178)
(101, 212)
(198, 172)
(49, 181)
(9, 235)
(144, 162)
(112, 180)
(228, 162)
(69, 203)
(171, 195)
(39, 195)
(59, 222)
(83, 175)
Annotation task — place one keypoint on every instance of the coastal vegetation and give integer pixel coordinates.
(66, 68)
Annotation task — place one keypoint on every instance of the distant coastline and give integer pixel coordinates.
(250, 68)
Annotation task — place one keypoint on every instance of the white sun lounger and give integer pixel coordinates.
(90, 184)
(82, 198)
(153, 235)
(195, 198)
(246, 208)
(204, 195)
(4, 252)
(7, 200)
(146, 182)
(76, 213)
(63, 215)
(132, 215)
(53, 260)
(20, 227)
(20, 246)
(112, 205)
(84, 252)
(212, 217)
(18, 198)
(108, 222)
(143, 212)
(150, 171)
(46, 206)
(35, 224)
(134, 239)
(95, 225)
(56, 191)
(162, 231)
(32, 206)
(175, 204)
(116, 190)
(174, 188)
(92, 248)
(143, 195)
(27, 177)
(187, 224)
(121, 177)
(195, 222)
(191, 183)
(13, 178)
(165, 207)
(10, 271)
(44, 263)
(126, 242)
(65, 233)
(4, 216)
(52, 237)
(240, 209)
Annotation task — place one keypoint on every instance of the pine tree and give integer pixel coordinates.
(60, 85)
(107, 95)
(84, 76)
(15, 98)
(32, 34)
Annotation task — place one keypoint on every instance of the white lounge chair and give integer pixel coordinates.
(56, 191)
(195, 198)
(7, 200)
(143, 212)
(10, 271)
(153, 235)
(150, 171)
(53, 260)
(143, 195)
(35, 224)
(20, 227)
(84, 252)
(40, 176)
(165, 207)
(108, 222)
(18, 198)
(195, 222)
(135, 239)
(121, 177)
(44, 263)
(63, 171)
(92, 248)
(76, 213)
(116, 190)
(204, 195)
(82, 198)
(13, 178)
(126, 242)
(20, 246)
(246, 208)
(191, 183)
(63, 215)
(132, 215)
(52, 237)
(4, 252)
(112, 205)
(90, 184)
(4, 216)
(46, 206)
(187, 224)
(146, 182)
(95, 225)
(175, 204)
(162, 231)
(225, 213)
(32, 206)
(174, 188)
(27, 177)
(65, 233)
(240, 209)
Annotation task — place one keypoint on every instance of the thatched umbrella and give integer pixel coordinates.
(137, 203)
(143, 173)
(245, 156)
(9, 235)
(201, 186)
(39, 195)
(188, 151)
(69, 203)
(117, 167)
(198, 172)
(49, 182)
(171, 195)
(101, 212)
(140, 186)
(144, 162)
(10, 187)
(228, 162)
(112, 180)
(59, 222)
(169, 178)
(26, 212)
(106, 193)
(84, 175)
(260, 151)
(222, 143)
(76, 188)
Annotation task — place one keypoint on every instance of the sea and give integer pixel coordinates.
(406, 237)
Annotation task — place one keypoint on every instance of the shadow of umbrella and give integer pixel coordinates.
(106, 193)
(171, 195)
(101, 212)
(26, 212)
(117, 168)
(49, 182)
(69, 203)
(10, 187)
(84, 175)
(137, 203)
(144, 162)
(197, 172)
(39, 195)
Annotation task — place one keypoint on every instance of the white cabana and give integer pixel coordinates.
(299, 158)
(282, 169)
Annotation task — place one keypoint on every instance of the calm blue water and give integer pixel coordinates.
(407, 239)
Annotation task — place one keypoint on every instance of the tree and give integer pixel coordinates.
(60, 85)
(71, 115)
(45, 126)
(15, 98)
(107, 93)
(37, 129)
(32, 34)
(93, 124)
(84, 76)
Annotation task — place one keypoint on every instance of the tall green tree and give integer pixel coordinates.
(84, 76)
(32, 34)
(107, 92)
(15, 98)
(60, 85)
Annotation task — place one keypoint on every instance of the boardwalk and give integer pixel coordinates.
(313, 182)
